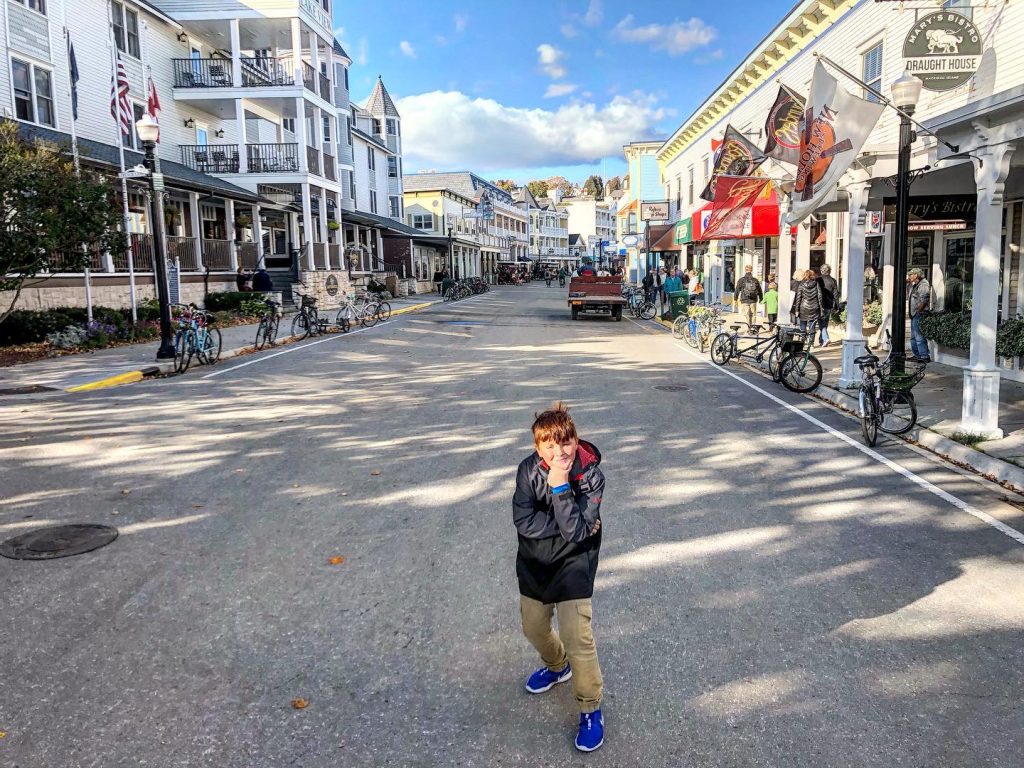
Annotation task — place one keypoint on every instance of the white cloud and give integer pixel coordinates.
(449, 129)
(550, 60)
(461, 21)
(675, 38)
(594, 14)
(407, 50)
(569, 30)
(559, 89)
(362, 54)
(441, 40)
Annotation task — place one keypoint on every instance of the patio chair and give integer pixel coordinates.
(218, 75)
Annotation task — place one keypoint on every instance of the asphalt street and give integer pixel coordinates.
(769, 593)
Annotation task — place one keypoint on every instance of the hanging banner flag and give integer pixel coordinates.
(835, 126)
(736, 157)
(73, 72)
(783, 127)
(734, 195)
(153, 106)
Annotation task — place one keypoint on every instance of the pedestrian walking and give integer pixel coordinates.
(809, 303)
(748, 289)
(829, 289)
(919, 301)
(438, 278)
(557, 513)
(798, 276)
(771, 304)
(659, 285)
(648, 285)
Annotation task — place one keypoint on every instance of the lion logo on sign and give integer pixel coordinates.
(943, 41)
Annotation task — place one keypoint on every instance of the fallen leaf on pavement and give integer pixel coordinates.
(125, 491)
(198, 506)
(336, 560)
(375, 472)
(239, 470)
(343, 493)
(300, 703)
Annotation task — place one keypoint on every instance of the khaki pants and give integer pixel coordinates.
(749, 313)
(574, 643)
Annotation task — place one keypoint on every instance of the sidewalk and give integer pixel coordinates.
(122, 365)
(939, 399)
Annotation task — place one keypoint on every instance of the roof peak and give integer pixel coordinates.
(380, 102)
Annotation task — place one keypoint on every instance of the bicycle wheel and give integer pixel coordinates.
(368, 317)
(773, 363)
(343, 319)
(800, 373)
(300, 325)
(261, 333)
(868, 420)
(383, 311)
(721, 349)
(212, 343)
(647, 311)
(180, 351)
(314, 322)
(899, 413)
(681, 328)
(275, 326)
(190, 349)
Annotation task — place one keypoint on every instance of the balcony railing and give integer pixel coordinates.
(217, 254)
(64, 261)
(265, 71)
(184, 251)
(202, 73)
(309, 77)
(141, 252)
(329, 167)
(325, 86)
(313, 160)
(247, 255)
(334, 254)
(210, 158)
(272, 158)
(320, 255)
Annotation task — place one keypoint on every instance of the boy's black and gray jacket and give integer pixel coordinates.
(557, 557)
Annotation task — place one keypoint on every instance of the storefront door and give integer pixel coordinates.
(959, 272)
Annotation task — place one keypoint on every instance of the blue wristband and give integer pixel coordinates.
(561, 488)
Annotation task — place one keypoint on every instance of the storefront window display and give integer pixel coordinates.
(873, 272)
(959, 273)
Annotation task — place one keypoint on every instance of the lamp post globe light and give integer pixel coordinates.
(149, 130)
(906, 91)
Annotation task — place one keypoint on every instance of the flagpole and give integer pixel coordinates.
(952, 147)
(124, 181)
(74, 154)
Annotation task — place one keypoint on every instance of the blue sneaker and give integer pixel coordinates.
(544, 679)
(591, 733)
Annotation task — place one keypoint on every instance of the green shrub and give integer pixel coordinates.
(148, 309)
(253, 307)
(873, 313)
(950, 329)
(1010, 338)
(227, 300)
(27, 326)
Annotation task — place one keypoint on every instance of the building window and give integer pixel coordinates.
(371, 161)
(689, 196)
(396, 207)
(392, 167)
(35, 5)
(126, 30)
(346, 77)
(872, 71)
(963, 7)
(132, 141)
(423, 221)
(392, 127)
(288, 124)
(373, 201)
(679, 193)
(327, 129)
(377, 129)
(33, 93)
(707, 170)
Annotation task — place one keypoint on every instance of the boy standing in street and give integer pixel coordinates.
(556, 511)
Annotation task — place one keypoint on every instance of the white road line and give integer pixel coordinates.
(920, 481)
(295, 347)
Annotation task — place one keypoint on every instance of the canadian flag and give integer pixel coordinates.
(153, 104)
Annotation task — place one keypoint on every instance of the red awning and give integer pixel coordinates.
(763, 220)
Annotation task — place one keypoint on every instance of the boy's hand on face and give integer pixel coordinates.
(558, 474)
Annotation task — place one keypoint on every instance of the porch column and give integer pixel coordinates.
(314, 57)
(297, 51)
(293, 231)
(803, 245)
(197, 232)
(323, 220)
(243, 152)
(300, 134)
(257, 235)
(784, 264)
(236, 54)
(853, 279)
(307, 228)
(980, 414)
(380, 248)
(229, 231)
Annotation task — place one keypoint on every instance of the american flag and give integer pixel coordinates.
(153, 105)
(120, 108)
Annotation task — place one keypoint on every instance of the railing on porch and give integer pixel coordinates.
(217, 254)
(202, 73)
(313, 160)
(265, 71)
(247, 255)
(309, 77)
(272, 158)
(329, 167)
(141, 252)
(325, 86)
(184, 251)
(71, 262)
(320, 255)
(210, 158)
(334, 256)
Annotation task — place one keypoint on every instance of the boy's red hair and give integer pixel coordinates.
(554, 424)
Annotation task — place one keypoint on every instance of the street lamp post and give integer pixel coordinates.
(905, 93)
(451, 251)
(149, 131)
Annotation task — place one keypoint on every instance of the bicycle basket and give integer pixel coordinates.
(308, 301)
(901, 382)
(792, 343)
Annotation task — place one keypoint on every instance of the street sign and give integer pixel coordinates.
(138, 172)
(656, 211)
(158, 182)
(631, 241)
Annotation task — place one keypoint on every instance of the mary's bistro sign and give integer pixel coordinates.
(943, 49)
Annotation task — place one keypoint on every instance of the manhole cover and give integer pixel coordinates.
(672, 388)
(58, 541)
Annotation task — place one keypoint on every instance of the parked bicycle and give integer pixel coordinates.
(638, 304)
(698, 326)
(753, 346)
(196, 336)
(885, 401)
(266, 333)
(307, 321)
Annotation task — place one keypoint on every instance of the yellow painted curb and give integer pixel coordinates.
(110, 381)
(413, 308)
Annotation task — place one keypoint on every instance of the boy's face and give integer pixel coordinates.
(557, 454)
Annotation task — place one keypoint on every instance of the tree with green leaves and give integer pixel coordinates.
(49, 214)
(593, 186)
(614, 184)
(506, 184)
(538, 188)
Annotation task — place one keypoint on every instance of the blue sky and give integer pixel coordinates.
(532, 89)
